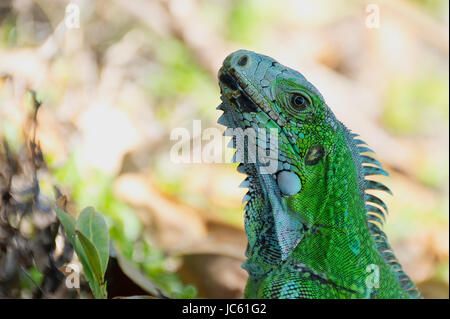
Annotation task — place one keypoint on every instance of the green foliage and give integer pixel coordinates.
(189, 292)
(90, 238)
(180, 73)
(179, 77)
(31, 278)
(93, 188)
(93, 226)
(8, 32)
(432, 171)
(414, 106)
(419, 106)
(435, 7)
(151, 261)
(246, 18)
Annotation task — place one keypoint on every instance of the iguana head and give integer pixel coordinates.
(259, 92)
(256, 89)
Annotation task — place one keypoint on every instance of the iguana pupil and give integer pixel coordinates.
(299, 101)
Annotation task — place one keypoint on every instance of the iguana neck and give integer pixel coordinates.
(335, 233)
(338, 234)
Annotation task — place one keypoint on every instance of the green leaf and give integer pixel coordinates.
(90, 238)
(94, 227)
(188, 292)
(98, 286)
(138, 277)
(68, 223)
(91, 254)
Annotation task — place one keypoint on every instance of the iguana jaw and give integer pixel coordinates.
(238, 99)
(236, 103)
(288, 227)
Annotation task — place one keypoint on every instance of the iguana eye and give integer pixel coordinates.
(299, 101)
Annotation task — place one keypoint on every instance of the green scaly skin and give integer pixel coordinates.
(313, 232)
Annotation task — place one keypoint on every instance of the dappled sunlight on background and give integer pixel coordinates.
(114, 88)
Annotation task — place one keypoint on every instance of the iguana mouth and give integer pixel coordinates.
(240, 99)
(239, 108)
(237, 95)
(287, 230)
(235, 103)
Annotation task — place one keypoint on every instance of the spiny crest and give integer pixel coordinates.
(225, 120)
(376, 216)
(371, 166)
(247, 182)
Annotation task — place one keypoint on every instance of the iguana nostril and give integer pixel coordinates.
(242, 60)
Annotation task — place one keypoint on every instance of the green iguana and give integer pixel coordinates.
(313, 230)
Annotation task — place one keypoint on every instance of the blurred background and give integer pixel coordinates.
(115, 77)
